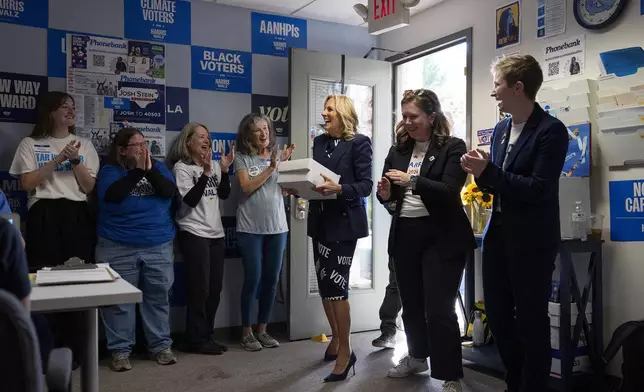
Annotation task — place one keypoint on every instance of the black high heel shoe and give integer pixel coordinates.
(343, 376)
(329, 357)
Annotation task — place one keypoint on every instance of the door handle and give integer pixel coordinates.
(301, 209)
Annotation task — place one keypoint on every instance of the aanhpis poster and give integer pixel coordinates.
(274, 34)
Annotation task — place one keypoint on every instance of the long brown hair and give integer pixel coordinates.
(427, 101)
(121, 140)
(49, 103)
(246, 142)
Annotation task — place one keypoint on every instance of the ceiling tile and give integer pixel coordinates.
(338, 11)
(285, 7)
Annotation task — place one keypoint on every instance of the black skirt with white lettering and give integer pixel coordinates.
(332, 264)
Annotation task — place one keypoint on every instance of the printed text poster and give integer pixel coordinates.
(221, 70)
(154, 135)
(158, 20)
(146, 58)
(565, 57)
(16, 198)
(57, 51)
(551, 18)
(147, 103)
(222, 142)
(273, 34)
(34, 13)
(508, 25)
(19, 95)
(97, 54)
(275, 108)
(626, 210)
(178, 108)
(578, 161)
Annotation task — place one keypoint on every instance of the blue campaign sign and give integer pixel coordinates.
(230, 230)
(116, 103)
(147, 103)
(34, 13)
(577, 162)
(177, 108)
(626, 210)
(275, 108)
(221, 144)
(16, 198)
(158, 20)
(274, 34)
(19, 96)
(221, 70)
(57, 51)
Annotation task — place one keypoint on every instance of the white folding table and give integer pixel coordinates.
(86, 298)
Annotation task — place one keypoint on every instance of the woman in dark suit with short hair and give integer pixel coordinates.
(335, 225)
(430, 235)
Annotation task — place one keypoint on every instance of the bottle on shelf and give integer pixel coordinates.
(579, 222)
(478, 330)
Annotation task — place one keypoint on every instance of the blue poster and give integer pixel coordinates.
(19, 95)
(221, 70)
(158, 20)
(230, 230)
(221, 144)
(274, 34)
(116, 103)
(626, 210)
(34, 13)
(275, 108)
(577, 162)
(641, 7)
(147, 103)
(16, 198)
(177, 108)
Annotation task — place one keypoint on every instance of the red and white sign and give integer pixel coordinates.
(386, 15)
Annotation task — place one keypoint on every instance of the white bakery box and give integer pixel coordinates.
(582, 360)
(304, 174)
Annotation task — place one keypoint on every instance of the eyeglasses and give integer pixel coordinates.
(418, 92)
(141, 144)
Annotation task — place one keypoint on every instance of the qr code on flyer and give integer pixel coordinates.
(98, 60)
(553, 68)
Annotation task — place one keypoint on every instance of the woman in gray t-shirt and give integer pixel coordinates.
(261, 223)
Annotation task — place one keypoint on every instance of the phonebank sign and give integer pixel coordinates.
(274, 34)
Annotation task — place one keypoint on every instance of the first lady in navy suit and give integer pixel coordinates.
(335, 225)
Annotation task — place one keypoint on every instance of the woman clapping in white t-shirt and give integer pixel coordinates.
(201, 183)
(58, 170)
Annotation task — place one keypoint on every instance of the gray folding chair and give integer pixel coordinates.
(20, 362)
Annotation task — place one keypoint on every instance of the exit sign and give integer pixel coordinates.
(386, 15)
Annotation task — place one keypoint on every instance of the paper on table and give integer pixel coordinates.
(49, 277)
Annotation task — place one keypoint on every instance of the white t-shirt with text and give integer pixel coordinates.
(413, 206)
(32, 154)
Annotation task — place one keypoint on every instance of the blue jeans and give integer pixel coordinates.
(262, 256)
(151, 270)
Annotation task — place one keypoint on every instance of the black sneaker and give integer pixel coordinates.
(221, 346)
(385, 340)
(207, 348)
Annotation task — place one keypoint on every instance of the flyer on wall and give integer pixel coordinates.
(91, 83)
(578, 159)
(154, 135)
(563, 58)
(508, 25)
(97, 54)
(146, 103)
(551, 18)
(147, 59)
(19, 96)
(100, 138)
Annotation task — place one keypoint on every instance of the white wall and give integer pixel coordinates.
(623, 267)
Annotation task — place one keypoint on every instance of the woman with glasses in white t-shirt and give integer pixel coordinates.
(58, 170)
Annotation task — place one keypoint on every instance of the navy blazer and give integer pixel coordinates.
(344, 218)
(439, 185)
(529, 185)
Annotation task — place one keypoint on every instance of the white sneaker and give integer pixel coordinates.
(407, 366)
(452, 386)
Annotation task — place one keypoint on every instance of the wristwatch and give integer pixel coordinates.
(412, 181)
(74, 162)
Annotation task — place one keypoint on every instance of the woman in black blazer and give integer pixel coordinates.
(430, 235)
(335, 225)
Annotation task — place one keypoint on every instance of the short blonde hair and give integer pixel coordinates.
(348, 115)
(520, 68)
(180, 150)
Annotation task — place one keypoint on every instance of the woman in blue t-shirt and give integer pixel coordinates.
(135, 235)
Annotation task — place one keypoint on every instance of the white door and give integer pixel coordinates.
(314, 75)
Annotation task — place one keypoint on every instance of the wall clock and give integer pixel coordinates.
(597, 14)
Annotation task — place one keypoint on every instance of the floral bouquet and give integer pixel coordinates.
(479, 204)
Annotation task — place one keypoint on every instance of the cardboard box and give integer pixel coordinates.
(554, 337)
(581, 363)
(304, 174)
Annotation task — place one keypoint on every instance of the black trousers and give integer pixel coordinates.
(428, 284)
(516, 286)
(391, 304)
(204, 258)
(58, 229)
